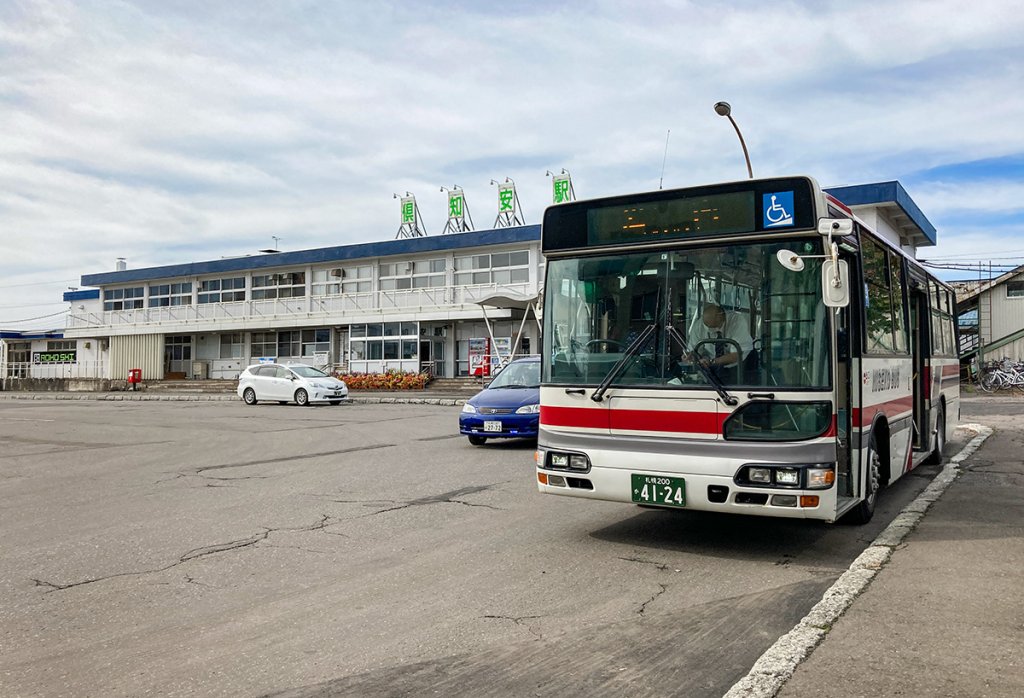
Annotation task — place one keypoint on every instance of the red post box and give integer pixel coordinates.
(134, 377)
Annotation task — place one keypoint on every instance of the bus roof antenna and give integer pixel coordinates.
(723, 109)
(662, 180)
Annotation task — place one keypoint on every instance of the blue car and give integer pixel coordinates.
(509, 407)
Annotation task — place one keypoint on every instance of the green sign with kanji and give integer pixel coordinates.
(408, 210)
(506, 199)
(560, 189)
(455, 205)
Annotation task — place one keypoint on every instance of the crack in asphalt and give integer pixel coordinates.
(193, 554)
(518, 620)
(285, 459)
(660, 565)
(444, 498)
(643, 606)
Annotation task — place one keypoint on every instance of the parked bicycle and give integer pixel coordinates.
(1005, 374)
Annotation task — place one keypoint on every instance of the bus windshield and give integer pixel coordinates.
(735, 309)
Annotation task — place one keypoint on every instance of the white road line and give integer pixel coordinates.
(773, 668)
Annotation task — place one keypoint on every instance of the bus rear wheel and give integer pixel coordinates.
(865, 509)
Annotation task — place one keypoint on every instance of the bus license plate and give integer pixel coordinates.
(492, 426)
(656, 489)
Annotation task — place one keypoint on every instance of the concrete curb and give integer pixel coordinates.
(144, 397)
(775, 667)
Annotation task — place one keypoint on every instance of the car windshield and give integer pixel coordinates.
(733, 307)
(308, 372)
(525, 374)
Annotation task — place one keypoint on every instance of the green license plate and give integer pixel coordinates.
(656, 489)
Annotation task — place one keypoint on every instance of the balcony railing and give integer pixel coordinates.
(315, 307)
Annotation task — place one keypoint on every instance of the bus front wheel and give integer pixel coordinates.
(935, 458)
(865, 509)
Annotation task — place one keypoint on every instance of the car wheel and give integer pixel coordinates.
(935, 458)
(249, 395)
(478, 440)
(863, 512)
(301, 397)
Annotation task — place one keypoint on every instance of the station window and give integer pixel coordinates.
(331, 282)
(316, 341)
(264, 344)
(403, 276)
(231, 345)
(162, 295)
(1015, 289)
(123, 298)
(61, 345)
(288, 285)
(495, 268)
(222, 290)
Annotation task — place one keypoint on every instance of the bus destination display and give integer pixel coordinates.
(672, 219)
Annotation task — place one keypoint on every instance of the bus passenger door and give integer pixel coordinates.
(918, 324)
(844, 405)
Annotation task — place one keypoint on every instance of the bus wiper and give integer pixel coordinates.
(708, 374)
(630, 352)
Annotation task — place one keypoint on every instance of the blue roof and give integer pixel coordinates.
(31, 334)
(342, 253)
(86, 295)
(885, 192)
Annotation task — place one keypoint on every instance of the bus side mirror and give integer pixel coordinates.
(835, 226)
(835, 283)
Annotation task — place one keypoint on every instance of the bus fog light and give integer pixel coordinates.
(784, 500)
(787, 476)
(579, 462)
(560, 460)
(820, 478)
(556, 480)
(761, 475)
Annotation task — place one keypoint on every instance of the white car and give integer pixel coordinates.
(296, 383)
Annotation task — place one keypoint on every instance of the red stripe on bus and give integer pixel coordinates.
(633, 420)
(863, 416)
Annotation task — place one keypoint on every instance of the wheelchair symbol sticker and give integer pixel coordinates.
(778, 209)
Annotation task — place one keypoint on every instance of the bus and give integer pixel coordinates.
(832, 373)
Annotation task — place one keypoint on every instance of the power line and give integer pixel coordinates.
(30, 305)
(42, 283)
(30, 319)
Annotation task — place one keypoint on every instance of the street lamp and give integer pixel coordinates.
(723, 109)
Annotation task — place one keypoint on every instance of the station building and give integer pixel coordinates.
(433, 304)
(437, 303)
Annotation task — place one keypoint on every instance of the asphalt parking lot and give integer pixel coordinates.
(187, 548)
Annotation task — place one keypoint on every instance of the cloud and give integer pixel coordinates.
(185, 131)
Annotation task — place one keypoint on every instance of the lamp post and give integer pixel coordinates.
(723, 109)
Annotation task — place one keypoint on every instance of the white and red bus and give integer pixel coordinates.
(827, 371)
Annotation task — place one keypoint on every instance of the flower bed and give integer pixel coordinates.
(389, 380)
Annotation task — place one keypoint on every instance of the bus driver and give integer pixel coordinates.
(715, 324)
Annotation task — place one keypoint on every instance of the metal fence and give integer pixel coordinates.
(80, 369)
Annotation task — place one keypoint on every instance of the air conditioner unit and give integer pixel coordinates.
(337, 273)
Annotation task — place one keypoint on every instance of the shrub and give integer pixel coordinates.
(389, 380)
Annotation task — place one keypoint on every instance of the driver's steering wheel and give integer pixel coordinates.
(731, 345)
(609, 345)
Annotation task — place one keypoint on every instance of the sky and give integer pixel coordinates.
(169, 132)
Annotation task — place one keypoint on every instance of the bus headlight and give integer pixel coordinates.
(810, 476)
(788, 477)
(567, 461)
(820, 478)
(760, 475)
